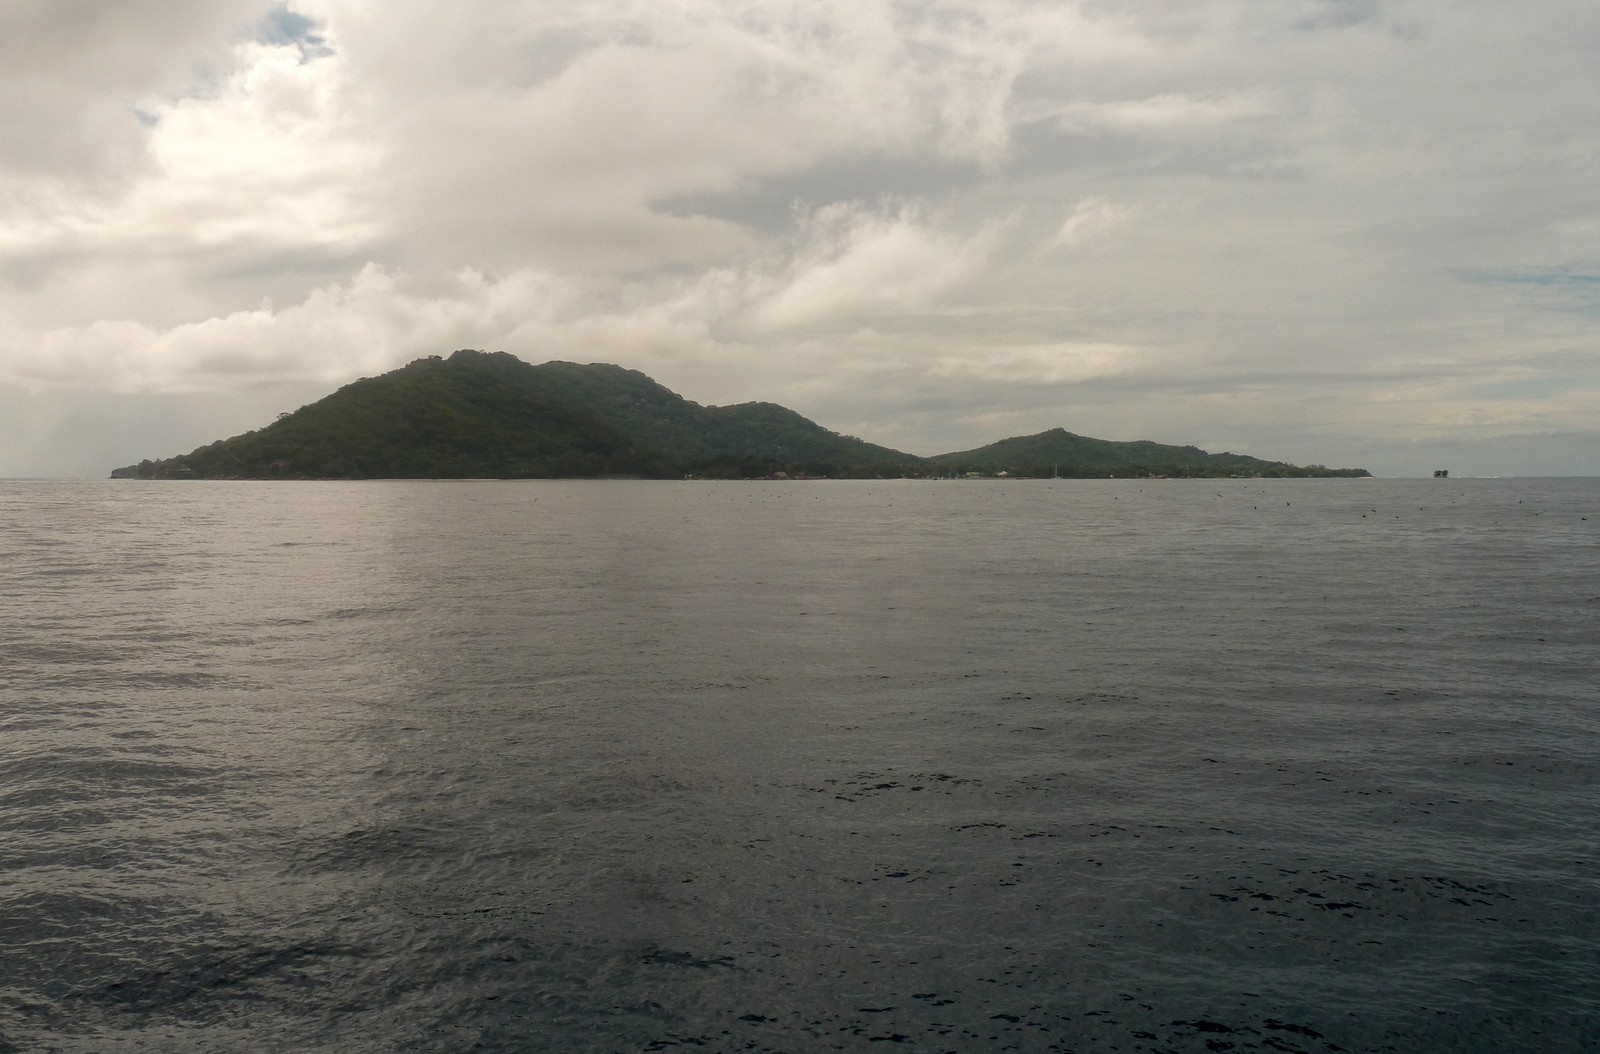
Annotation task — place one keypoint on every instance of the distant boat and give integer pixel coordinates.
(1441, 473)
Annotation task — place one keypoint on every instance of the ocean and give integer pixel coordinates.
(942, 766)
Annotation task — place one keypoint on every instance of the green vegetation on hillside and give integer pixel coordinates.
(477, 415)
(492, 415)
(1061, 453)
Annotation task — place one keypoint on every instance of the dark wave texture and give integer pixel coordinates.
(1300, 765)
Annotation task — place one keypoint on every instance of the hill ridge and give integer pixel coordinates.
(490, 414)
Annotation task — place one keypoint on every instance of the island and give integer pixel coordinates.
(480, 414)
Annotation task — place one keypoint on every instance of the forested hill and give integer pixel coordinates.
(1059, 452)
(478, 414)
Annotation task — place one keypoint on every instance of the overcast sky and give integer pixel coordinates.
(1344, 231)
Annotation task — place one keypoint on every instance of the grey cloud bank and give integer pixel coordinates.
(1357, 233)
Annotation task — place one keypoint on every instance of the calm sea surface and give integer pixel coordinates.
(929, 766)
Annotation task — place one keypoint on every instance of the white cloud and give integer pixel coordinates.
(72, 72)
(373, 323)
(1065, 363)
(1033, 213)
(858, 264)
(851, 266)
(266, 160)
(1172, 113)
(1090, 219)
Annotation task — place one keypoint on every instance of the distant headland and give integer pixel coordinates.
(492, 415)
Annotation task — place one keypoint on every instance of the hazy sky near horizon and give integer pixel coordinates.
(1350, 231)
